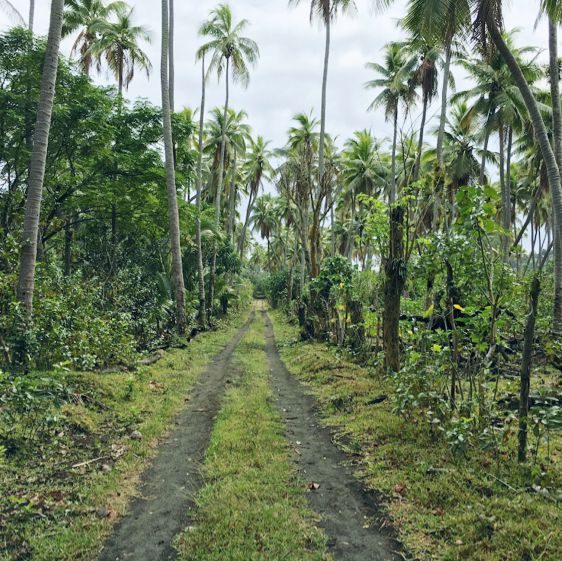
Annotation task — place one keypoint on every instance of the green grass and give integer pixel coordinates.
(50, 510)
(443, 508)
(253, 507)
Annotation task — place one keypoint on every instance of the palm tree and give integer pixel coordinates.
(230, 53)
(88, 16)
(118, 44)
(173, 213)
(326, 11)
(38, 160)
(395, 80)
(426, 77)
(201, 314)
(264, 219)
(499, 101)
(257, 168)
(363, 173)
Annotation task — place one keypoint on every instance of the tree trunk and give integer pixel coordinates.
(484, 153)
(444, 101)
(202, 312)
(38, 160)
(213, 274)
(557, 125)
(321, 148)
(393, 286)
(173, 213)
(526, 367)
(504, 241)
(541, 134)
(67, 250)
(392, 194)
(232, 199)
(171, 59)
(417, 165)
(507, 209)
(31, 15)
(242, 241)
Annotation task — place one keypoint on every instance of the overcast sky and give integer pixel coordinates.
(287, 78)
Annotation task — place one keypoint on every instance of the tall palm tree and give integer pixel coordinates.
(31, 14)
(257, 168)
(118, 44)
(88, 16)
(202, 313)
(231, 53)
(264, 219)
(38, 160)
(171, 57)
(326, 11)
(173, 213)
(395, 81)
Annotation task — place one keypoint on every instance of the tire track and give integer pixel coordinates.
(169, 485)
(350, 516)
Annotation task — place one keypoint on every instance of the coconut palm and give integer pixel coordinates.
(28, 255)
(231, 54)
(395, 80)
(264, 220)
(257, 168)
(326, 11)
(173, 213)
(119, 46)
(88, 16)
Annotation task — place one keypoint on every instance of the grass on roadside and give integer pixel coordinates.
(253, 507)
(51, 510)
(443, 508)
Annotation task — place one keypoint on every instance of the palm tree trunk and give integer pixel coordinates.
(321, 166)
(541, 134)
(232, 199)
(173, 213)
(392, 195)
(31, 15)
(444, 102)
(38, 160)
(557, 125)
(501, 136)
(506, 218)
(484, 154)
(171, 59)
(417, 165)
(201, 316)
(219, 190)
(249, 209)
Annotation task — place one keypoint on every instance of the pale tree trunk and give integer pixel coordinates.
(417, 165)
(171, 59)
(507, 208)
(201, 316)
(251, 201)
(212, 278)
(321, 148)
(392, 195)
(31, 15)
(541, 134)
(173, 213)
(444, 102)
(557, 121)
(484, 154)
(38, 160)
(504, 210)
(232, 198)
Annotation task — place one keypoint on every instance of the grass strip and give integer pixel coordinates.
(52, 510)
(253, 507)
(444, 508)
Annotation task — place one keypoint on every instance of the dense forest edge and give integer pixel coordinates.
(414, 284)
